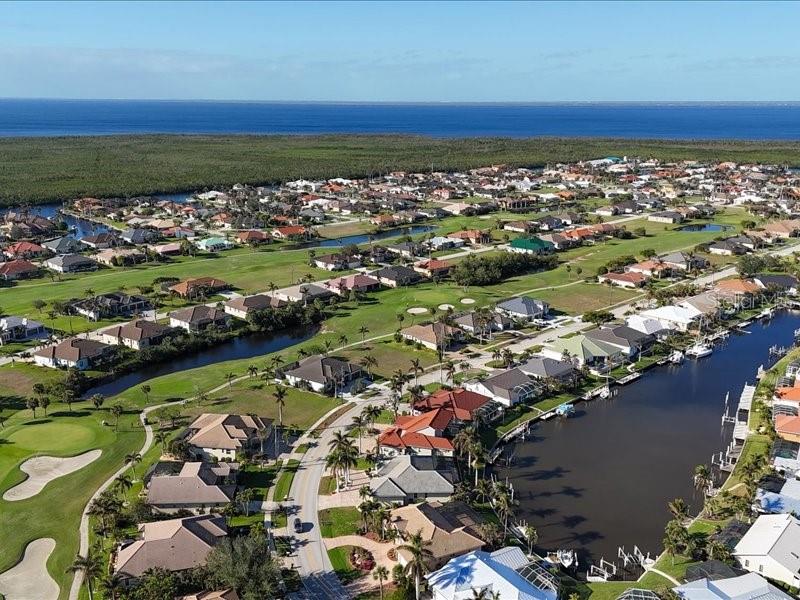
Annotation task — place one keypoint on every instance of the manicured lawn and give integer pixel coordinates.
(259, 478)
(340, 561)
(284, 483)
(334, 522)
(327, 485)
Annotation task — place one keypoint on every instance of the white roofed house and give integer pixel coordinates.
(222, 436)
(771, 548)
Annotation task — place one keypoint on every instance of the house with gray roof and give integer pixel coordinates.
(323, 374)
(304, 293)
(543, 367)
(196, 485)
(64, 245)
(506, 387)
(198, 318)
(523, 308)
(629, 341)
(222, 436)
(20, 329)
(70, 263)
(407, 478)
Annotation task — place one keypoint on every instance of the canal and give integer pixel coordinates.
(602, 479)
(247, 346)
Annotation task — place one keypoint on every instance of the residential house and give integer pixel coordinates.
(72, 353)
(64, 245)
(138, 237)
(337, 262)
(788, 427)
(170, 249)
(473, 237)
(559, 241)
(771, 548)
(444, 243)
(291, 232)
(503, 572)
(17, 269)
(397, 276)
(253, 237)
(409, 478)
(195, 319)
(70, 263)
(448, 530)
(242, 307)
(650, 268)
(433, 267)
(20, 329)
(176, 545)
(137, 334)
(418, 434)
(744, 587)
(523, 308)
(407, 249)
(520, 226)
(630, 342)
(199, 287)
(213, 244)
(625, 280)
(545, 368)
(726, 248)
(736, 291)
(507, 387)
(483, 324)
(110, 305)
(465, 406)
(25, 250)
(197, 485)
(436, 336)
(113, 257)
(776, 282)
(214, 436)
(673, 317)
(101, 241)
(783, 229)
(357, 282)
(531, 245)
(681, 261)
(665, 216)
(323, 374)
(582, 350)
(303, 293)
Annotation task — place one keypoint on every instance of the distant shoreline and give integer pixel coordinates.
(38, 170)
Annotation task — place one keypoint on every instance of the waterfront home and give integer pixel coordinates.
(198, 287)
(417, 434)
(629, 341)
(507, 387)
(448, 530)
(110, 305)
(64, 245)
(647, 325)
(303, 293)
(138, 237)
(291, 232)
(776, 282)
(214, 244)
(787, 397)
(736, 291)
(397, 276)
(357, 282)
(175, 545)
(465, 406)
(531, 245)
(25, 250)
(624, 280)
(409, 478)
(70, 263)
(114, 257)
(253, 237)
(545, 368)
(444, 243)
(473, 237)
(17, 269)
(323, 374)
(771, 547)
(72, 353)
(407, 249)
(523, 308)
(384, 220)
(678, 318)
(707, 305)
(433, 267)
(582, 351)
(483, 324)
(137, 334)
(788, 427)
(750, 586)
(242, 307)
(101, 241)
(197, 485)
(506, 572)
(195, 319)
(776, 495)
(337, 262)
(213, 436)
(682, 261)
(435, 336)
(20, 329)
(665, 216)
(726, 248)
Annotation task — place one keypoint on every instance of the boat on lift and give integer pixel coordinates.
(676, 357)
(565, 558)
(565, 410)
(700, 350)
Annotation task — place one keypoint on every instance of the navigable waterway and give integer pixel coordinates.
(247, 346)
(602, 479)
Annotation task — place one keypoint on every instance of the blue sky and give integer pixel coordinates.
(437, 52)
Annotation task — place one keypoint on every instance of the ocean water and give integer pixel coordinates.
(753, 121)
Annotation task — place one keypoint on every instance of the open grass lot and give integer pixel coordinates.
(48, 169)
(55, 511)
(284, 483)
(16, 384)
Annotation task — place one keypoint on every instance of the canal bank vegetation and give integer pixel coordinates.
(37, 170)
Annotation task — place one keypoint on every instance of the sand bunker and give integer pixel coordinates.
(417, 310)
(467, 301)
(446, 306)
(44, 469)
(29, 578)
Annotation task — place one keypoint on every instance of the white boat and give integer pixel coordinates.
(700, 350)
(605, 393)
(676, 357)
(567, 558)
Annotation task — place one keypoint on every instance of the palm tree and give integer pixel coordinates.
(416, 566)
(450, 370)
(97, 400)
(380, 574)
(363, 330)
(230, 377)
(346, 454)
(416, 369)
(161, 438)
(146, 391)
(359, 425)
(117, 411)
(90, 566)
(252, 370)
(32, 404)
(531, 536)
(133, 459)
(702, 477)
(280, 399)
(678, 509)
(111, 585)
(123, 483)
(368, 361)
(342, 340)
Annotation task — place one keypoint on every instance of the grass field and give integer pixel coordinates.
(335, 522)
(50, 169)
(284, 483)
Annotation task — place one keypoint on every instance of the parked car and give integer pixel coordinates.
(298, 525)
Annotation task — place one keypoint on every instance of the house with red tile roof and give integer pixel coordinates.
(471, 236)
(26, 250)
(432, 267)
(17, 269)
(418, 434)
(253, 236)
(626, 280)
(463, 405)
(290, 232)
(788, 427)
